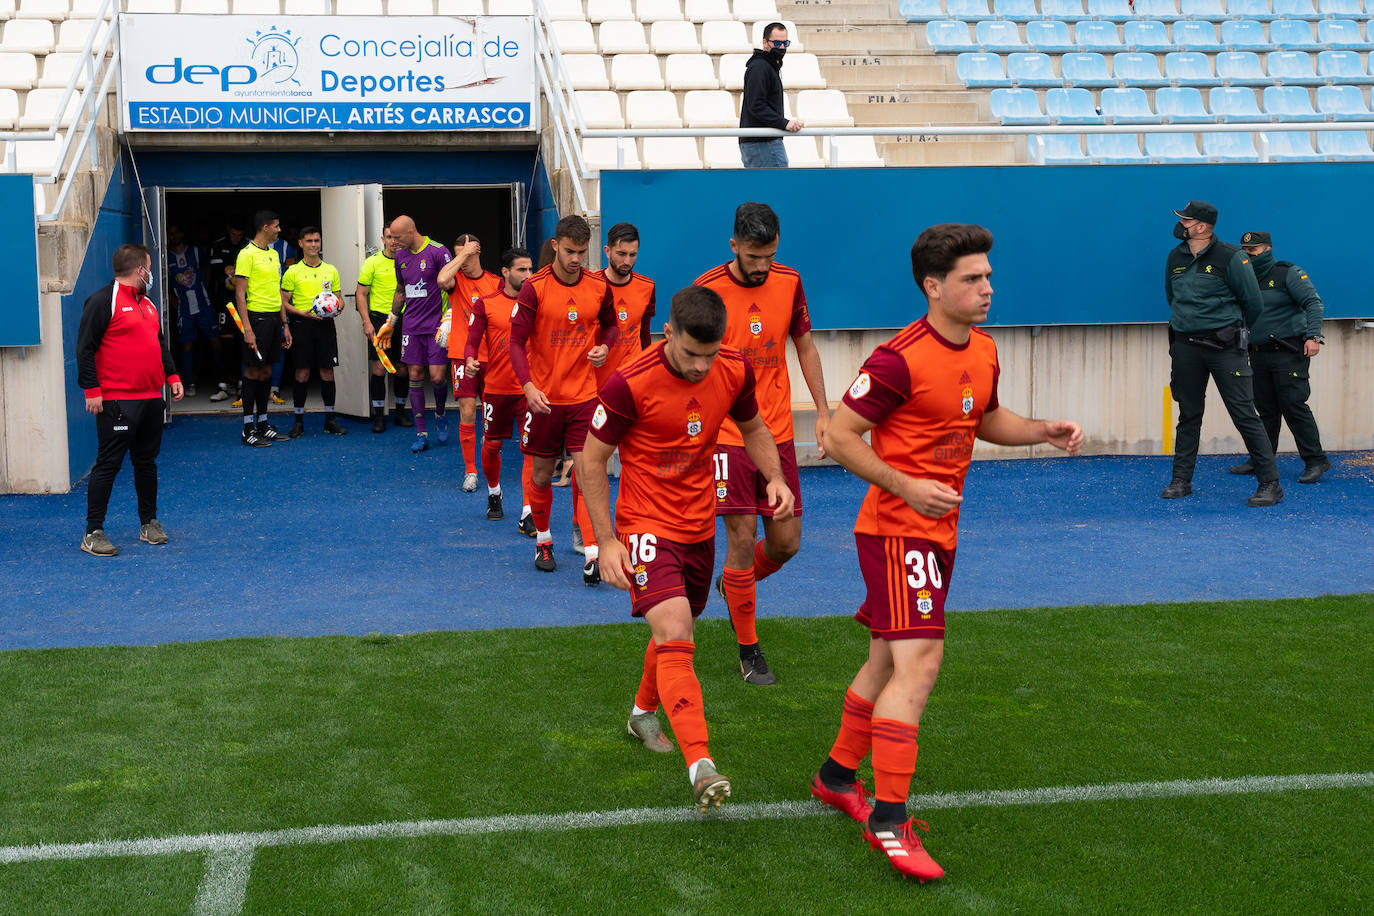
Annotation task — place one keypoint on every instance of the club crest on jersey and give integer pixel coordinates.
(968, 400)
(923, 602)
(422, 263)
(572, 309)
(694, 418)
(755, 320)
(599, 418)
(622, 313)
(861, 386)
(641, 575)
(720, 490)
(327, 286)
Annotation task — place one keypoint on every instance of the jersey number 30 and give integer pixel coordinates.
(921, 567)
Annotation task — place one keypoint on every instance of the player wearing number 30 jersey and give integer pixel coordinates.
(663, 409)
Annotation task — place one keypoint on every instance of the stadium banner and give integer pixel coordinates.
(19, 311)
(185, 72)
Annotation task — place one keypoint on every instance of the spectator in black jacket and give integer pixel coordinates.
(122, 362)
(762, 105)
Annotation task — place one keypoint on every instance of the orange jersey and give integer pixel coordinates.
(634, 306)
(666, 429)
(927, 397)
(467, 291)
(489, 330)
(759, 321)
(554, 327)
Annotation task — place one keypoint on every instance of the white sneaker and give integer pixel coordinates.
(221, 394)
(470, 483)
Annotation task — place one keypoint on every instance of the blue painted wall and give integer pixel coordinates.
(19, 324)
(1073, 244)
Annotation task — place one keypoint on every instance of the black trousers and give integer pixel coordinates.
(1230, 369)
(1282, 388)
(133, 427)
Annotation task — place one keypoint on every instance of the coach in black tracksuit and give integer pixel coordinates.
(122, 362)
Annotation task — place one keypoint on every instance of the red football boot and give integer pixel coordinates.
(852, 800)
(904, 851)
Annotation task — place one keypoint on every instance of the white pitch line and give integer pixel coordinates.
(581, 820)
(225, 884)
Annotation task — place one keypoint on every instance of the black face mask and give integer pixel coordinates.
(777, 54)
(1180, 232)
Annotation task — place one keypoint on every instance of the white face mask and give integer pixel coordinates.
(146, 277)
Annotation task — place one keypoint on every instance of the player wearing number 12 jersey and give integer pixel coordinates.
(924, 396)
(663, 410)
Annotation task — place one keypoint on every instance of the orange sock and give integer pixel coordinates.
(527, 481)
(855, 739)
(763, 567)
(681, 693)
(739, 595)
(647, 696)
(894, 759)
(541, 505)
(467, 437)
(584, 520)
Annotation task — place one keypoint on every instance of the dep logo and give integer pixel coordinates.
(272, 53)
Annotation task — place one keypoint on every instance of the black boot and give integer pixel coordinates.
(379, 419)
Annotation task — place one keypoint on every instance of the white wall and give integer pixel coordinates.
(33, 410)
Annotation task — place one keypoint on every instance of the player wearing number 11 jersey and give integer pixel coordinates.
(924, 396)
(663, 409)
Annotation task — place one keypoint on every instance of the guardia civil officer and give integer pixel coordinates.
(1282, 343)
(1213, 296)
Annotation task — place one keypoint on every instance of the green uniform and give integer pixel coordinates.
(304, 283)
(1211, 298)
(262, 268)
(1292, 315)
(378, 274)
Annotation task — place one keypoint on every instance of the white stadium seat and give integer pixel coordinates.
(802, 71)
(18, 71)
(308, 8)
(38, 157)
(393, 7)
(607, 10)
(7, 9)
(257, 7)
(732, 70)
(9, 108)
(90, 9)
(460, 8)
(73, 34)
(586, 71)
(722, 153)
(725, 36)
(658, 10)
(756, 34)
(341, 7)
(671, 153)
(33, 35)
(600, 109)
(801, 152)
(635, 71)
(710, 108)
(706, 10)
(756, 10)
(151, 6)
(574, 37)
(560, 10)
(668, 37)
(40, 107)
(599, 153)
(56, 10)
(854, 152)
(509, 7)
(650, 108)
(689, 71)
(823, 108)
(622, 37)
(205, 7)
(58, 69)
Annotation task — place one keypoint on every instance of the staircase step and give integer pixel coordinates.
(910, 114)
(895, 78)
(866, 42)
(951, 151)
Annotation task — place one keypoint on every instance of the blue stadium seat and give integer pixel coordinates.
(1189, 68)
(980, 71)
(1057, 149)
(1194, 35)
(1049, 35)
(1250, 9)
(1350, 8)
(1097, 35)
(1293, 35)
(920, 10)
(1173, 148)
(1127, 106)
(1111, 10)
(1181, 105)
(1289, 103)
(1234, 103)
(1015, 10)
(1343, 103)
(1343, 34)
(1086, 68)
(1164, 10)
(1147, 35)
(1033, 69)
(1241, 68)
(1288, 146)
(1067, 10)
(968, 10)
(1344, 144)
(1295, 9)
(1231, 147)
(1244, 35)
(949, 35)
(1134, 68)
(1213, 10)
(1294, 68)
(1342, 67)
(1117, 149)
(1072, 106)
(998, 35)
(1017, 106)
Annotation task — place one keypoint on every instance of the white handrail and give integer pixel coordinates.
(567, 119)
(87, 61)
(92, 123)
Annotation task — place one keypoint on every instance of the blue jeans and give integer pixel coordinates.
(763, 154)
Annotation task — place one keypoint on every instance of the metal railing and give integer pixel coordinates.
(556, 84)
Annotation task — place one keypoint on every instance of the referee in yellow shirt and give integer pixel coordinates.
(257, 299)
(315, 343)
(376, 290)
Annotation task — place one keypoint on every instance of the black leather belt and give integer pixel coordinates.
(1279, 345)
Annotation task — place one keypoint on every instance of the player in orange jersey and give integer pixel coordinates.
(503, 401)
(562, 330)
(766, 307)
(470, 283)
(923, 396)
(663, 410)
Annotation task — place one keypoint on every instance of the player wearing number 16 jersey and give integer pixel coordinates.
(663, 409)
(924, 396)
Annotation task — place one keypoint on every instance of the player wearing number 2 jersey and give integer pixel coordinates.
(663, 409)
(924, 396)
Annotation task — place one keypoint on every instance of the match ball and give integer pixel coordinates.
(326, 305)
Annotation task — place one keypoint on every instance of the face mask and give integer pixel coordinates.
(1180, 232)
(146, 278)
(1262, 262)
(777, 54)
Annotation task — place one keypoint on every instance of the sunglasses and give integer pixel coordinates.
(780, 44)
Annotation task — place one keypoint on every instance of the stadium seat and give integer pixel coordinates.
(1173, 148)
(54, 10)
(325, 8)
(1342, 34)
(998, 35)
(980, 71)
(732, 71)
(793, 34)
(1127, 106)
(1244, 35)
(709, 108)
(1015, 10)
(1072, 106)
(1343, 103)
(1195, 35)
(1233, 104)
(1116, 149)
(968, 10)
(1147, 35)
(573, 37)
(341, 7)
(1257, 10)
(1210, 10)
(1289, 103)
(1135, 68)
(1086, 69)
(635, 71)
(1342, 67)
(658, 10)
(1033, 70)
(944, 35)
(721, 153)
(9, 108)
(509, 7)
(586, 71)
(1351, 8)
(921, 10)
(1181, 105)
(1017, 106)
(853, 152)
(1049, 35)
(1189, 68)
(1229, 147)
(600, 109)
(689, 71)
(650, 108)
(707, 10)
(1241, 68)
(1293, 35)
(803, 71)
(1163, 10)
(1067, 10)
(39, 157)
(1294, 68)
(1295, 9)
(1096, 35)
(667, 36)
(558, 10)
(725, 36)
(1057, 149)
(599, 154)
(620, 36)
(1344, 144)
(801, 152)
(36, 36)
(824, 108)
(609, 10)
(1288, 146)
(220, 7)
(40, 108)
(58, 70)
(1111, 10)
(756, 10)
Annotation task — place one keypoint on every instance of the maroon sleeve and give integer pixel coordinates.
(801, 318)
(610, 330)
(616, 413)
(520, 328)
(644, 338)
(746, 406)
(993, 403)
(882, 385)
(477, 326)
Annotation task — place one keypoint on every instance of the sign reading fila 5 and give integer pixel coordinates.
(307, 73)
